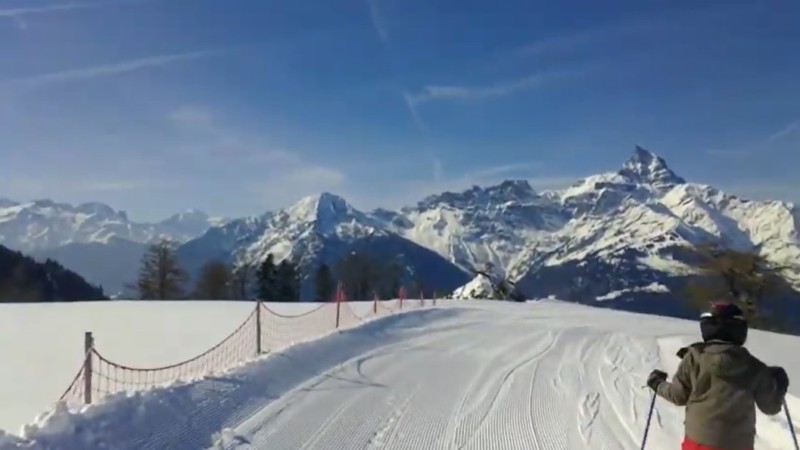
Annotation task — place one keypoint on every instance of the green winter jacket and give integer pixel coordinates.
(721, 384)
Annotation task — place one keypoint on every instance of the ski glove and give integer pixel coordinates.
(781, 379)
(656, 378)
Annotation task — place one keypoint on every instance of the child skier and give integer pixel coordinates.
(721, 384)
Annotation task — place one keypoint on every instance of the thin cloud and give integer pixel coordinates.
(18, 14)
(785, 132)
(633, 28)
(314, 176)
(757, 146)
(192, 117)
(35, 187)
(501, 89)
(121, 185)
(105, 70)
(411, 104)
(288, 185)
(431, 93)
(378, 20)
(283, 176)
(503, 170)
(438, 169)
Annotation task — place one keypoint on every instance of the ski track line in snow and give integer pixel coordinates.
(500, 389)
(480, 386)
(269, 428)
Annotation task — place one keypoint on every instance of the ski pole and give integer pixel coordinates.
(649, 416)
(791, 425)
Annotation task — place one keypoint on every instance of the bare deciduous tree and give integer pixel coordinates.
(160, 276)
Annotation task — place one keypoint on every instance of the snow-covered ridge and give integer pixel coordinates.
(45, 224)
(644, 208)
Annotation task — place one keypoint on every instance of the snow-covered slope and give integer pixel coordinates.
(490, 375)
(480, 225)
(45, 224)
(317, 229)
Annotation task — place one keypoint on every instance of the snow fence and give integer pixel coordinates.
(263, 331)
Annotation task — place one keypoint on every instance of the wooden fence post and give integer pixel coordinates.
(338, 303)
(258, 327)
(88, 346)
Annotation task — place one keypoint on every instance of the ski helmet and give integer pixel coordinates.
(724, 321)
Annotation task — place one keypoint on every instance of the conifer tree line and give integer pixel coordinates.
(360, 275)
(746, 278)
(25, 280)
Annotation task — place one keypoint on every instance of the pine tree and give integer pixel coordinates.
(243, 279)
(267, 282)
(215, 282)
(324, 284)
(360, 275)
(161, 277)
(287, 282)
(393, 280)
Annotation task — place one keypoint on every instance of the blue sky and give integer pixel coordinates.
(239, 106)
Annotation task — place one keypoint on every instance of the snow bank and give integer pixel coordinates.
(137, 333)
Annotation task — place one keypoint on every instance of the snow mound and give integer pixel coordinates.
(479, 287)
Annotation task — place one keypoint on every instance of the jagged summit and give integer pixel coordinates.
(512, 190)
(323, 206)
(645, 167)
(506, 191)
(99, 208)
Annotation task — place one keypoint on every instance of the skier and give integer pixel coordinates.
(721, 384)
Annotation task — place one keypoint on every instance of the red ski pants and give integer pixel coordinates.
(689, 444)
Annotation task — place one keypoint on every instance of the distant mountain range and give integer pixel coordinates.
(617, 236)
(93, 239)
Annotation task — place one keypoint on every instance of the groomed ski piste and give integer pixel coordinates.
(540, 375)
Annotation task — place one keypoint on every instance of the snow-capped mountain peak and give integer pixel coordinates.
(303, 227)
(101, 209)
(519, 191)
(645, 167)
(324, 207)
(44, 224)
